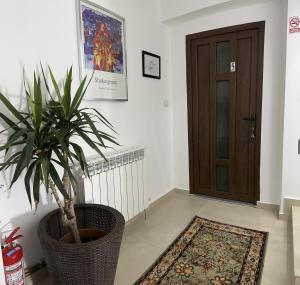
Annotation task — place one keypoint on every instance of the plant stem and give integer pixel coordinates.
(67, 212)
(72, 221)
(59, 203)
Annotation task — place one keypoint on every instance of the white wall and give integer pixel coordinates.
(273, 12)
(291, 160)
(39, 30)
(172, 9)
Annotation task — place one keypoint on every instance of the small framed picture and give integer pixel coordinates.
(151, 65)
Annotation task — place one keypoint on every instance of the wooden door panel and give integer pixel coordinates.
(195, 120)
(243, 101)
(201, 131)
(204, 115)
(242, 111)
(246, 86)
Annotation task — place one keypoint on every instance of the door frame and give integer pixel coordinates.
(260, 27)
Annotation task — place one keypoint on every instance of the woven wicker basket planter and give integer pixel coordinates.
(92, 263)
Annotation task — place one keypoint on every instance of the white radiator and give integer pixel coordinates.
(117, 182)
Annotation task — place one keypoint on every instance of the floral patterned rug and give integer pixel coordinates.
(210, 253)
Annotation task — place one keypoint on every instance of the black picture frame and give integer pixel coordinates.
(156, 73)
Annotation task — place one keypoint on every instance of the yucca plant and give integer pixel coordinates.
(43, 138)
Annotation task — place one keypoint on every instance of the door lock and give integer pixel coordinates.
(252, 121)
(232, 66)
(252, 133)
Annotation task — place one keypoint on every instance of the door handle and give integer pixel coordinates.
(252, 121)
(252, 136)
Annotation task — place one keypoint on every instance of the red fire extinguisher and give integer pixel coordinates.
(12, 254)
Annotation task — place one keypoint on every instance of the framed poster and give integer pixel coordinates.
(102, 52)
(151, 65)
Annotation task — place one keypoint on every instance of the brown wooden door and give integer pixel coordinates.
(224, 76)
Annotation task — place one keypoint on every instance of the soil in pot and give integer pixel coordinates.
(86, 235)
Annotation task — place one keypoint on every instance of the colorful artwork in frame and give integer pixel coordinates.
(102, 52)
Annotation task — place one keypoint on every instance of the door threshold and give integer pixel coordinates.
(223, 200)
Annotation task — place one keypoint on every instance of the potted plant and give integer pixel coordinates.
(80, 242)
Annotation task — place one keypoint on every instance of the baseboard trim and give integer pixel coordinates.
(281, 216)
(153, 204)
(268, 206)
(288, 203)
(139, 215)
(181, 191)
(160, 199)
(260, 205)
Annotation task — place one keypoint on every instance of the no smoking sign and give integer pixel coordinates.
(294, 24)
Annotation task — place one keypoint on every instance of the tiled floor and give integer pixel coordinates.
(144, 241)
